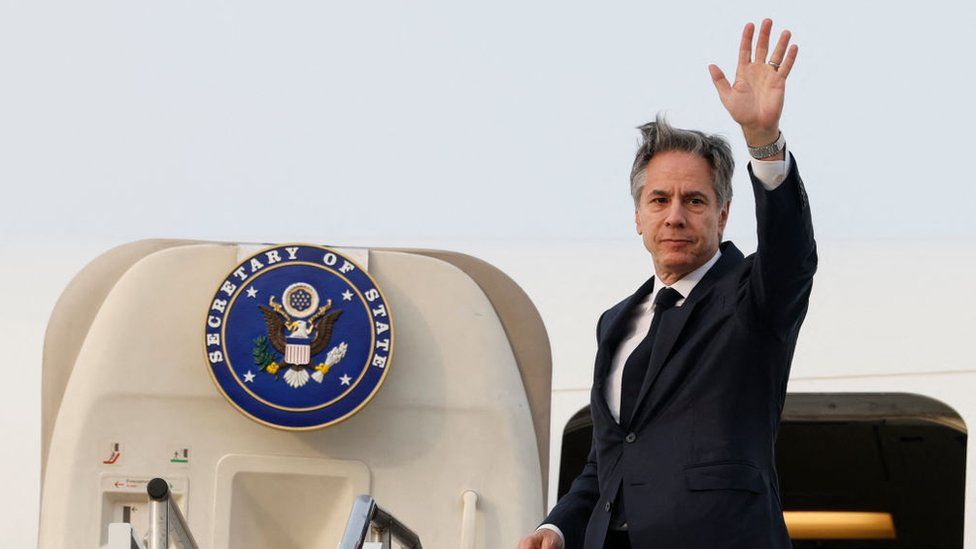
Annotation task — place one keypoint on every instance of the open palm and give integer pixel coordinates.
(755, 99)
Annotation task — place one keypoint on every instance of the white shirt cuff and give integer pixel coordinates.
(770, 172)
(555, 529)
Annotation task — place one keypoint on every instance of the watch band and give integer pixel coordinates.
(766, 151)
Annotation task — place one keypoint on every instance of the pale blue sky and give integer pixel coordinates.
(325, 121)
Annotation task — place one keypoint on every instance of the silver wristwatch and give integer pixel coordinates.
(766, 151)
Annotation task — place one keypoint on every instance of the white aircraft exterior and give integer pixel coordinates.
(880, 396)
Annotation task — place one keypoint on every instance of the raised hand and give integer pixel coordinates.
(755, 99)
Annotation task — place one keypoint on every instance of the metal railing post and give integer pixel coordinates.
(165, 519)
(368, 519)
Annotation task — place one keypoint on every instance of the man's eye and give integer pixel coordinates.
(696, 201)
(659, 200)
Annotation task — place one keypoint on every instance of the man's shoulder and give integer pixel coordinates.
(608, 316)
(618, 308)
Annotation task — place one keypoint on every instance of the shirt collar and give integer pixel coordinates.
(690, 280)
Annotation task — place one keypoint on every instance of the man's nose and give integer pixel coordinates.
(676, 214)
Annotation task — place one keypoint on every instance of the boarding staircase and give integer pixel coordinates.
(369, 526)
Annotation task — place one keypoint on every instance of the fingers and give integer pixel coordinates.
(718, 78)
(784, 69)
(541, 539)
(783, 53)
(745, 46)
(552, 542)
(535, 540)
(780, 50)
(762, 45)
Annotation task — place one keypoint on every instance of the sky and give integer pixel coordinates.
(505, 120)
(403, 123)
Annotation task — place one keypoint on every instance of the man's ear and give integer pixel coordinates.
(637, 222)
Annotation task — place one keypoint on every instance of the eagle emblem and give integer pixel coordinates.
(299, 330)
(288, 315)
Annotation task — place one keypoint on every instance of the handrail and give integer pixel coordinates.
(368, 518)
(469, 518)
(165, 519)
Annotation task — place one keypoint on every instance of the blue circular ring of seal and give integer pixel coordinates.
(298, 337)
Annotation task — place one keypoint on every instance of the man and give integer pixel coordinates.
(691, 370)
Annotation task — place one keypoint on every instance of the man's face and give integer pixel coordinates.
(678, 214)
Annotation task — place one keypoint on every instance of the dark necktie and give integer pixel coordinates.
(636, 366)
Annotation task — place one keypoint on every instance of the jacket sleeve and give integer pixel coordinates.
(782, 272)
(573, 511)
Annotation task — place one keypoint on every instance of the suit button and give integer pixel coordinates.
(607, 507)
(631, 437)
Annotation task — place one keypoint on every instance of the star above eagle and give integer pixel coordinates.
(317, 328)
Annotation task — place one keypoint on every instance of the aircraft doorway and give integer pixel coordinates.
(857, 470)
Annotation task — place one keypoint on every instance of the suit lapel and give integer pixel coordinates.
(672, 323)
(609, 340)
(674, 320)
(611, 336)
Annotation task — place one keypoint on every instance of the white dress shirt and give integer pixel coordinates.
(640, 323)
(770, 173)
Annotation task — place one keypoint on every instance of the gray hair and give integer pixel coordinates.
(659, 136)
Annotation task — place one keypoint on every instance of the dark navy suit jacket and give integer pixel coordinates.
(696, 463)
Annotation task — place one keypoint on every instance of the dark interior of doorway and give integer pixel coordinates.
(897, 453)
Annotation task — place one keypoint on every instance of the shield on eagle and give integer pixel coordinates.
(298, 328)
